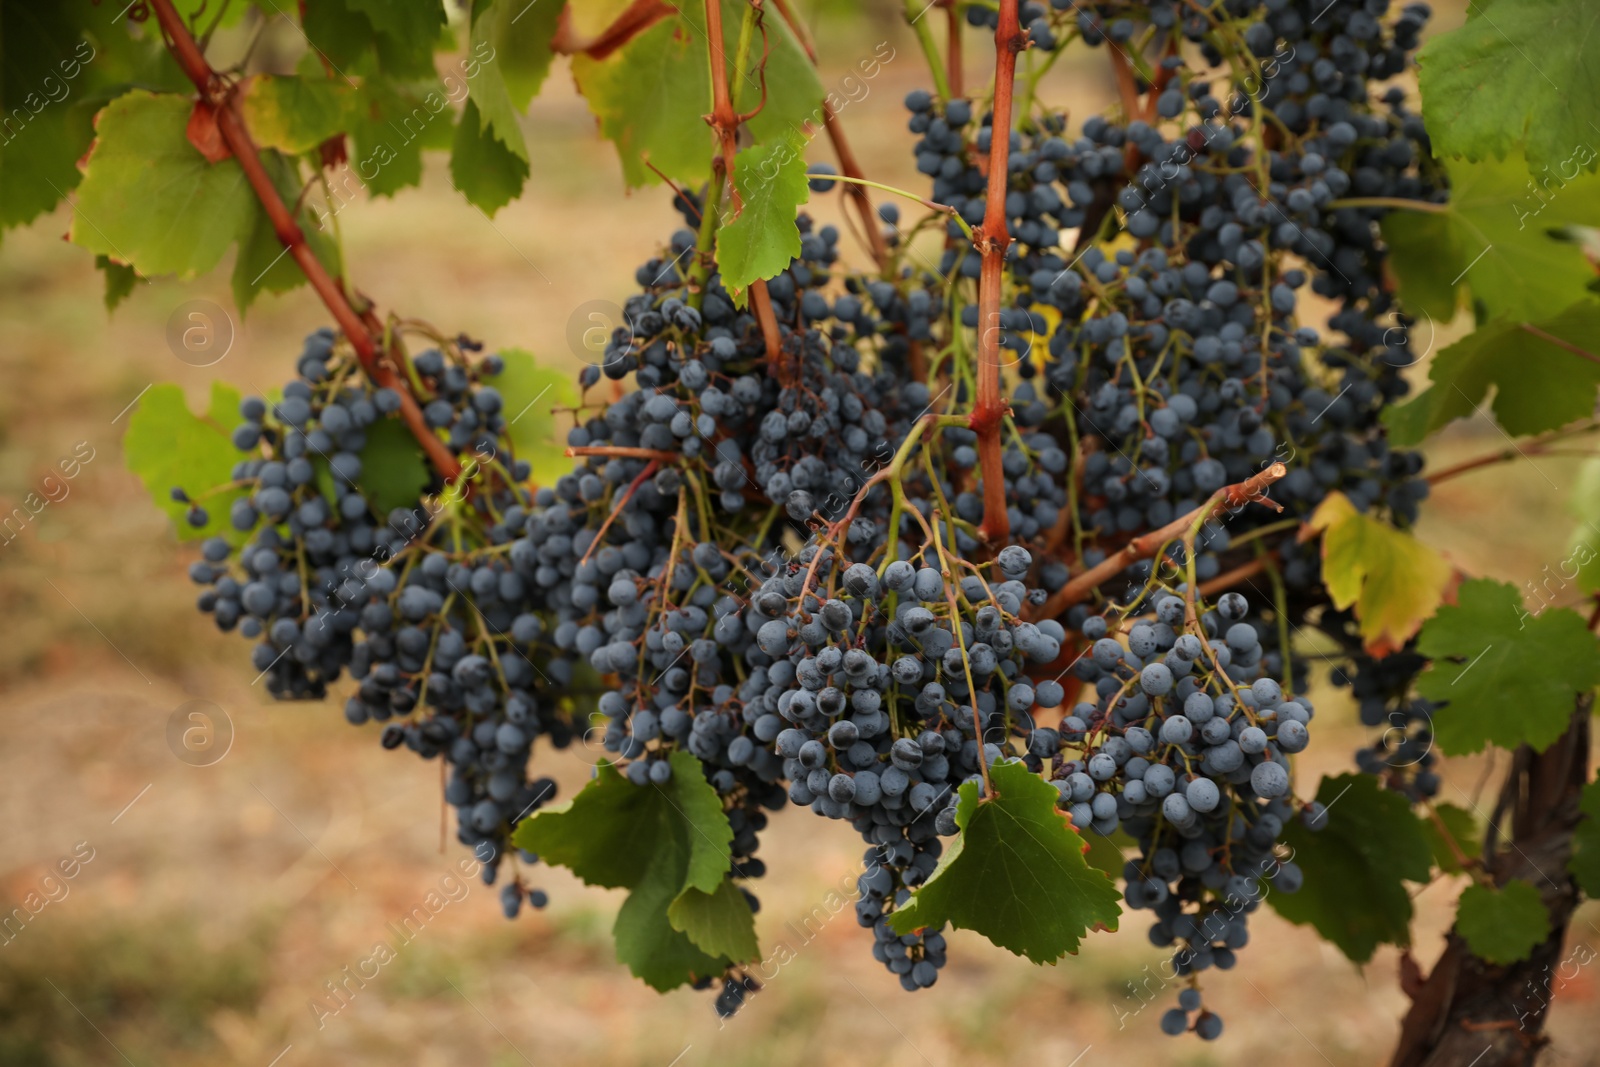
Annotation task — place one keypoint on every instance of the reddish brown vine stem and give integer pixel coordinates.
(988, 413)
(1252, 489)
(638, 17)
(841, 148)
(724, 121)
(218, 93)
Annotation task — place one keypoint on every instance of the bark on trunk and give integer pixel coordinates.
(1470, 1011)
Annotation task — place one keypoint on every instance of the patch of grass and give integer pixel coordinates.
(150, 986)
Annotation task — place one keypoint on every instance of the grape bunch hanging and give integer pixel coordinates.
(775, 552)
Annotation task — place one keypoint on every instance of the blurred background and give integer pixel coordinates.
(214, 907)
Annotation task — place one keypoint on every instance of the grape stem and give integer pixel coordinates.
(841, 147)
(634, 20)
(724, 122)
(218, 93)
(993, 238)
(1538, 446)
(624, 453)
(930, 48)
(924, 201)
(1251, 490)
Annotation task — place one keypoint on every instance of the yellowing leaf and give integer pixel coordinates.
(1394, 580)
(294, 113)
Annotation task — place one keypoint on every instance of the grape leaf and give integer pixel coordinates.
(591, 17)
(1539, 384)
(148, 196)
(120, 280)
(1585, 861)
(652, 94)
(720, 923)
(1355, 864)
(1522, 73)
(1394, 580)
(484, 170)
(400, 33)
(1463, 829)
(657, 841)
(511, 50)
(167, 446)
(394, 472)
(761, 241)
(44, 64)
(294, 113)
(1523, 672)
(1502, 925)
(389, 126)
(1016, 874)
(530, 395)
(1495, 235)
(263, 263)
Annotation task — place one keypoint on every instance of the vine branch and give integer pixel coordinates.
(724, 121)
(993, 239)
(1252, 489)
(634, 20)
(218, 94)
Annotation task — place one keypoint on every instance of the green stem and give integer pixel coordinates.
(700, 272)
(930, 48)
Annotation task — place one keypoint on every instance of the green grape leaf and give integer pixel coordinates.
(1495, 236)
(720, 923)
(1016, 874)
(1462, 827)
(294, 113)
(483, 169)
(651, 96)
(1356, 863)
(1393, 579)
(657, 841)
(167, 446)
(46, 65)
(1539, 384)
(120, 280)
(1583, 556)
(401, 33)
(1502, 925)
(1522, 673)
(1585, 862)
(761, 241)
(511, 50)
(530, 395)
(394, 472)
(389, 126)
(1516, 73)
(148, 196)
(263, 262)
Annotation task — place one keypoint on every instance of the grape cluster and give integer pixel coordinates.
(881, 697)
(435, 631)
(1185, 749)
